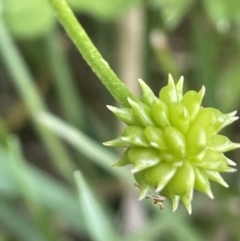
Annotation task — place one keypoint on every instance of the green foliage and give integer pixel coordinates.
(222, 10)
(104, 9)
(91, 209)
(27, 19)
(59, 97)
(173, 11)
(30, 19)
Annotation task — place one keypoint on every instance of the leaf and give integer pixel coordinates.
(40, 217)
(52, 194)
(222, 10)
(21, 228)
(25, 85)
(227, 93)
(103, 9)
(95, 152)
(173, 11)
(3, 132)
(98, 223)
(27, 19)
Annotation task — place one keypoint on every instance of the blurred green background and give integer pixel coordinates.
(54, 117)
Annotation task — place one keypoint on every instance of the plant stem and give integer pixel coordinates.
(89, 52)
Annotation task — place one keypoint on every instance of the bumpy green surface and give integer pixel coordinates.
(173, 142)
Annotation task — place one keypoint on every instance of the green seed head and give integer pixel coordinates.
(173, 142)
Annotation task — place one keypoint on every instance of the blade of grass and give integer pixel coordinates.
(98, 223)
(64, 83)
(95, 152)
(3, 236)
(228, 87)
(183, 229)
(165, 222)
(153, 229)
(20, 227)
(206, 47)
(3, 132)
(28, 192)
(25, 85)
(53, 195)
(164, 54)
(71, 102)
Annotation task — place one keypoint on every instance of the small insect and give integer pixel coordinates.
(157, 199)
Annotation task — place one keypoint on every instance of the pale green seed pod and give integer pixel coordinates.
(173, 142)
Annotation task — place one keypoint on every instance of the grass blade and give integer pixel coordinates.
(21, 228)
(98, 154)
(53, 195)
(64, 82)
(164, 223)
(97, 222)
(42, 220)
(25, 85)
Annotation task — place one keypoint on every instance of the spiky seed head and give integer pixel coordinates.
(173, 142)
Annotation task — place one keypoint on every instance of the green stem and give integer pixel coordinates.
(92, 56)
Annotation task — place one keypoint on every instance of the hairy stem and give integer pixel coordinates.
(89, 52)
